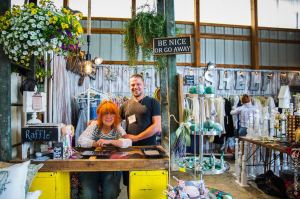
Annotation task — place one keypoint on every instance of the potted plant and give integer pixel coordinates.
(139, 33)
(33, 30)
(41, 73)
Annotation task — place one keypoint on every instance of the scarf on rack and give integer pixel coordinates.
(183, 132)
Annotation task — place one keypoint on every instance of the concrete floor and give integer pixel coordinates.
(225, 182)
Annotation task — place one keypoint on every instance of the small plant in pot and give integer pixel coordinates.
(41, 73)
(139, 33)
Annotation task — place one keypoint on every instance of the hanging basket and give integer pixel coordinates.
(139, 40)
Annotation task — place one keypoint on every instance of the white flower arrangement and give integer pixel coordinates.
(33, 30)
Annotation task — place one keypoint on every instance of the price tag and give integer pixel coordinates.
(131, 119)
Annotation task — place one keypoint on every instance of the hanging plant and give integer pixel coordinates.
(41, 73)
(139, 33)
(33, 30)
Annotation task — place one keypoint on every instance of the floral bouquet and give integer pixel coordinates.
(33, 30)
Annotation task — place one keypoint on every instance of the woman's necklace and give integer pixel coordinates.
(106, 130)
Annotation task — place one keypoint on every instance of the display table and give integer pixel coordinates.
(277, 146)
(268, 145)
(273, 150)
(149, 176)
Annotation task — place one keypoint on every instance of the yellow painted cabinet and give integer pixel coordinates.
(148, 184)
(54, 185)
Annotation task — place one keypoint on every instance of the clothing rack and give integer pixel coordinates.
(122, 93)
(88, 92)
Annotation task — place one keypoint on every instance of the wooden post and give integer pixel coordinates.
(197, 33)
(164, 101)
(66, 3)
(32, 65)
(171, 67)
(5, 99)
(165, 114)
(254, 36)
(180, 97)
(133, 8)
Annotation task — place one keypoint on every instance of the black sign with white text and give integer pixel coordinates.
(189, 80)
(172, 45)
(31, 134)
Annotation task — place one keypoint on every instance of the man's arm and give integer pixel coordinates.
(148, 132)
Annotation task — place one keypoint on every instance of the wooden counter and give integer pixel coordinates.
(105, 165)
(130, 159)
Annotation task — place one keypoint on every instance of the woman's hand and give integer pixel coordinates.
(102, 142)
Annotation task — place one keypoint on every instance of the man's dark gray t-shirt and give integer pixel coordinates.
(143, 110)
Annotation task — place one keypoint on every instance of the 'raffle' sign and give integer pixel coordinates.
(31, 134)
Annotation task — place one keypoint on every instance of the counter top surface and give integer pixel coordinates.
(118, 159)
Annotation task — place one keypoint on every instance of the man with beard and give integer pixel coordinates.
(142, 114)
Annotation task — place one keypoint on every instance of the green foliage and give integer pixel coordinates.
(145, 26)
(193, 90)
(186, 115)
(209, 90)
(33, 30)
(41, 73)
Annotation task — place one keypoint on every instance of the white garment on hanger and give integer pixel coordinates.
(220, 110)
(202, 115)
(265, 120)
(195, 110)
(257, 122)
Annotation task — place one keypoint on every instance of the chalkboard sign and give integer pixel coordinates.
(172, 45)
(58, 150)
(189, 80)
(32, 134)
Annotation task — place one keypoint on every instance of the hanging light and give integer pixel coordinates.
(98, 60)
(89, 63)
(88, 67)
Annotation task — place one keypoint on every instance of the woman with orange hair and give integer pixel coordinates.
(106, 130)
